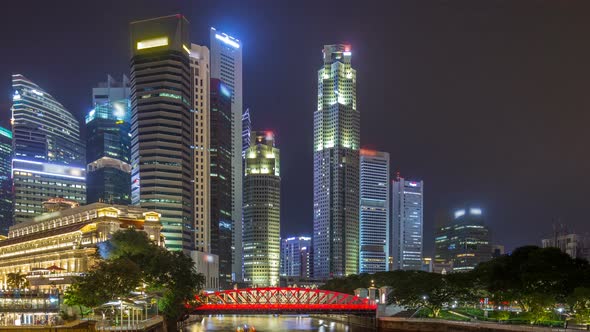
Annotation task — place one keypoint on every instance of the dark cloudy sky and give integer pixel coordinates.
(486, 101)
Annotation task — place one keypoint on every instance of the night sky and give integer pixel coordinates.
(486, 101)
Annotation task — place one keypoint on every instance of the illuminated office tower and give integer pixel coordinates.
(162, 125)
(374, 211)
(6, 213)
(108, 143)
(246, 131)
(200, 78)
(406, 233)
(336, 167)
(221, 176)
(48, 155)
(262, 211)
(295, 257)
(464, 241)
(226, 65)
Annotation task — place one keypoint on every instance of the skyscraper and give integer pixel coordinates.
(226, 65)
(5, 180)
(108, 143)
(406, 233)
(295, 257)
(161, 125)
(221, 178)
(336, 167)
(200, 78)
(246, 131)
(464, 241)
(374, 211)
(262, 211)
(48, 154)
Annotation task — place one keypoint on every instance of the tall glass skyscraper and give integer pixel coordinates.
(246, 131)
(162, 125)
(407, 229)
(48, 155)
(108, 143)
(336, 167)
(262, 211)
(374, 211)
(221, 179)
(464, 241)
(226, 65)
(5, 180)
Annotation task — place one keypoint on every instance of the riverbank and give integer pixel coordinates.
(392, 324)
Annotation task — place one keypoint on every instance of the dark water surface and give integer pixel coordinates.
(270, 323)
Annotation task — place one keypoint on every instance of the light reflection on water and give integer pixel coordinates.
(269, 324)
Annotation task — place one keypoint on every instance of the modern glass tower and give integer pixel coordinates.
(162, 125)
(108, 143)
(262, 211)
(336, 167)
(48, 155)
(374, 211)
(6, 213)
(221, 179)
(226, 65)
(464, 241)
(295, 257)
(246, 131)
(406, 233)
(201, 78)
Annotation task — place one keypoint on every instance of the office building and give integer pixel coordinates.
(374, 211)
(464, 241)
(200, 78)
(162, 125)
(573, 244)
(497, 250)
(48, 155)
(221, 179)
(6, 213)
(336, 167)
(208, 265)
(406, 233)
(246, 131)
(262, 211)
(108, 143)
(296, 257)
(226, 65)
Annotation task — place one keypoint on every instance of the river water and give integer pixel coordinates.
(270, 324)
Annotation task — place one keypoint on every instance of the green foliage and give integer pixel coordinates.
(132, 261)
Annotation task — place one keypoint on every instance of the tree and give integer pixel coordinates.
(579, 303)
(17, 280)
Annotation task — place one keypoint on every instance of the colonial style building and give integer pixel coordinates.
(54, 247)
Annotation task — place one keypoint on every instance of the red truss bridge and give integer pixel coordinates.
(276, 300)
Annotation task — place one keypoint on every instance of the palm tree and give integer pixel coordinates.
(16, 280)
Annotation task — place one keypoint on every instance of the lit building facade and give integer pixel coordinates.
(406, 233)
(221, 179)
(374, 211)
(6, 204)
(201, 79)
(31, 246)
(296, 257)
(262, 211)
(575, 245)
(48, 155)
(226, 65)
(246, 131)
(108, 143)
(464, 241)
(162, 125)
(336, 167)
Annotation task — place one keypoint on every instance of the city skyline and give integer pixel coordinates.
(457, 160)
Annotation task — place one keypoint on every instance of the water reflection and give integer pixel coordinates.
(270, 324)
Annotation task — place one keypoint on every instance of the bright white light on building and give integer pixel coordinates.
(459, 213)
(475, 211)
(228, 40)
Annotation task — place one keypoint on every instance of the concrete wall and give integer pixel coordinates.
(391, 324)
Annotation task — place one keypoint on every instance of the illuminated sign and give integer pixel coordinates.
(48, 169)
(227, 40)
(413, 184)
(459, 213)
(154, 42)
(347, 53)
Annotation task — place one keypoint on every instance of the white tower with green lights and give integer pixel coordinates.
(336, 167)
